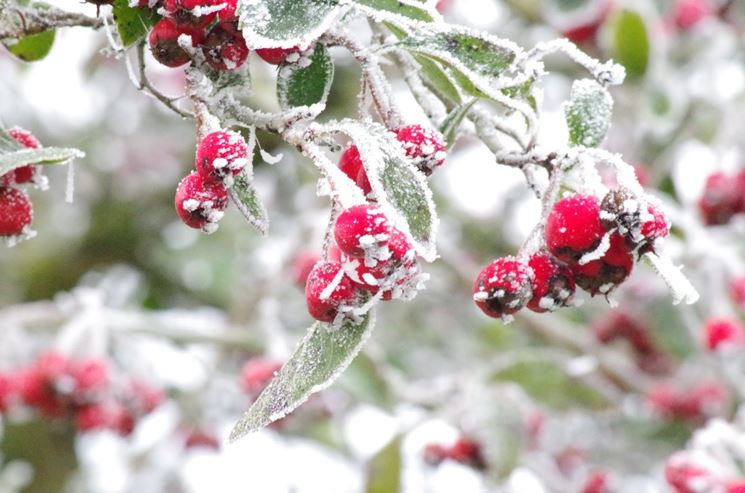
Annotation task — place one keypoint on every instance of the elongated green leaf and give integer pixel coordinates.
(547, 383)
(33, 47)
(300, 85)
(284, 23)
(384, 469)
(133, 23)
(245, 198)
(450, 125)
(401, 189)
(317, 362)
(631, 42)
(588, 113)
(46, 155)
(381, 8)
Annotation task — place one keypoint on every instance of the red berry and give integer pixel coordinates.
(227, 14)
(197, 13)
(603, 275)
(328, 290)
(573, 227)
(198, 438)
(619, 324)
(351, 164)
(200, 204)
(7, 389)
(105, 415)
(276, 56)
(221, 155)
(15, 211)
(361, 230)
(368, 277)
(424, 146)
(696, 404)
(553, 283)
(302, 264)
(256, 374)
(688, 13)
(723, 332)
(90, 375)
(468, 452)
(597, 482)
(736, 487)
(503, 287)
(26, 173)
(224, 48)
(163, 40)
(654, 228)
(622, 210)
(722, 199)
(737, 290)
(143, 398)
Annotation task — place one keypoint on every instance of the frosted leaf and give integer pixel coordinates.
(393, 10)
(247, 201)
(451, 124)
(10, 160)
(681, 287)
(285, 23)
(307, 81)
(237, 80)
(132, 23)
(588, 113)
(401, 189)
(316, 363)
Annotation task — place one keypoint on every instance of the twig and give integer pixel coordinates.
(145, 86)
(35, 21)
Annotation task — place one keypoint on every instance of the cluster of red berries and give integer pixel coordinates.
(464, 451)
(16, 212)
(425, 147)
(202, 196)
(82, 391)
(695, 404)
(590, 243)
(723, 197)
(620, 325)
(374, 257)
(685, 474)
(212, 26)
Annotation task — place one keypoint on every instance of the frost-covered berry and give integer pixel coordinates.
(684, 475)
(350, 163)
(224, 47)
(15, 212)
(200, 204)
(424, 146)
(142, 397)
(553, 283)
(721, 199)
(163, 40)
(573, 227)
(720, 333)
(694, 403)
(198, 13)
(276, 56)
(362, 231)
(641, 225)
(90, 376)
(221, 155)
(257, 372)
(227, 13)
(26, 173)
(503, 287)
(328, 290)
(604, 274)
(655, 227)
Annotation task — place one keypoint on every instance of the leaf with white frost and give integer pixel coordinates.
(247, 201)
(307, 81)
(317, 362)
(588, 113)
(393, 10)
(10, 160)
(285, 23)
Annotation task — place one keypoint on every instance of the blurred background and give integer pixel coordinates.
(441, 397)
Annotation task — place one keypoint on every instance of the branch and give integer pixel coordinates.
(33, 21)
(144, 85)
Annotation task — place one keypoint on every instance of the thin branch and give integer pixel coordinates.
(145, 86)
(33, 21)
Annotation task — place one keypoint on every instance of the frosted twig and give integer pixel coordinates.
(195, 82)
(679, 285)
(486, 124)
(234, 113)
(431, 104)
(146, 87)
(608, 73)
(34, 21)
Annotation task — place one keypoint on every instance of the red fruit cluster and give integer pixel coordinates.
(620, 325)
(374, 257)
(464, 451)
(425, 147)
(723, 197)
(696, 404)
(598, 240)
(80, 391)
(211, 25)
(16, 212)
(202, 196)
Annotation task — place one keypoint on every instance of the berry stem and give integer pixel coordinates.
(144, 85)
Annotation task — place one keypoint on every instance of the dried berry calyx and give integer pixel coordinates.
(224, 47)
(503, 287)
(604, 274)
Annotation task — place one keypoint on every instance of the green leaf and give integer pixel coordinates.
(316, 363)
(477, 61)
(133, 23)
(380, 8)
(449, 127)
(384, 469)
(306, 85)
(284, 23)
(33, 47)
(13, 155)
(547, 383)
(588, 113)
(631, 42)
(247, 201)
